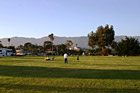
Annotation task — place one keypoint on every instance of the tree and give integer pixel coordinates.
(90, 51)
(33, 49)
(69, 43)
(47, 45)
(103, 37)
(128, 47)
(51, 36)
(9, 41)
(28, 47)
(41, 49)
(1, 46)
(92, 39)
(61, 48)
(20, 47)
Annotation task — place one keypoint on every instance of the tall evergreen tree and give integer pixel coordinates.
(128, 47)
(92, 39)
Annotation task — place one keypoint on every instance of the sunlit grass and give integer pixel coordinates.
(89, 74)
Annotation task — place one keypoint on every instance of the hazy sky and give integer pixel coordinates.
(38, 18)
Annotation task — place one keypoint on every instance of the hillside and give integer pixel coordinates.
(81, 41)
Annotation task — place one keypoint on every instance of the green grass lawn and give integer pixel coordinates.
(88, 75)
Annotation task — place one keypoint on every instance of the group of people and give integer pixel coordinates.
(47, 58)
(65, 58)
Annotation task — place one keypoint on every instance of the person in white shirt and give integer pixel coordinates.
(65, 57)
(48, 58)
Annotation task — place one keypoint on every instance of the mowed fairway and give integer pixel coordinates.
(88, 75)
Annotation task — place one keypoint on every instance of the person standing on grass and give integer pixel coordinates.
(77, 57)
(65, 58)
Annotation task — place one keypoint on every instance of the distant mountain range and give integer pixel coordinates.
(81, 41)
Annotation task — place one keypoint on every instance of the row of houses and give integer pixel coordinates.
(20, 52)
(9, 52)
(6, 52)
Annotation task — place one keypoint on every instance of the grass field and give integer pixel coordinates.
(88, 75)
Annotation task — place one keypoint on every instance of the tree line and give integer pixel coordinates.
(102, 43)
(34, 49)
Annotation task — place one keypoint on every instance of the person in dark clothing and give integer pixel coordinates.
(77, 57)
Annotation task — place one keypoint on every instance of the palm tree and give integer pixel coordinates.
(69, 44)
(51, 36)
(9, 41)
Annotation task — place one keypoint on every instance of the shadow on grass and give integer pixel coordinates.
(64, 89)
(48, 72)
(115, 65)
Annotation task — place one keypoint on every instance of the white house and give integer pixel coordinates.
(6, 52)
(77, 48)
(20, 52)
